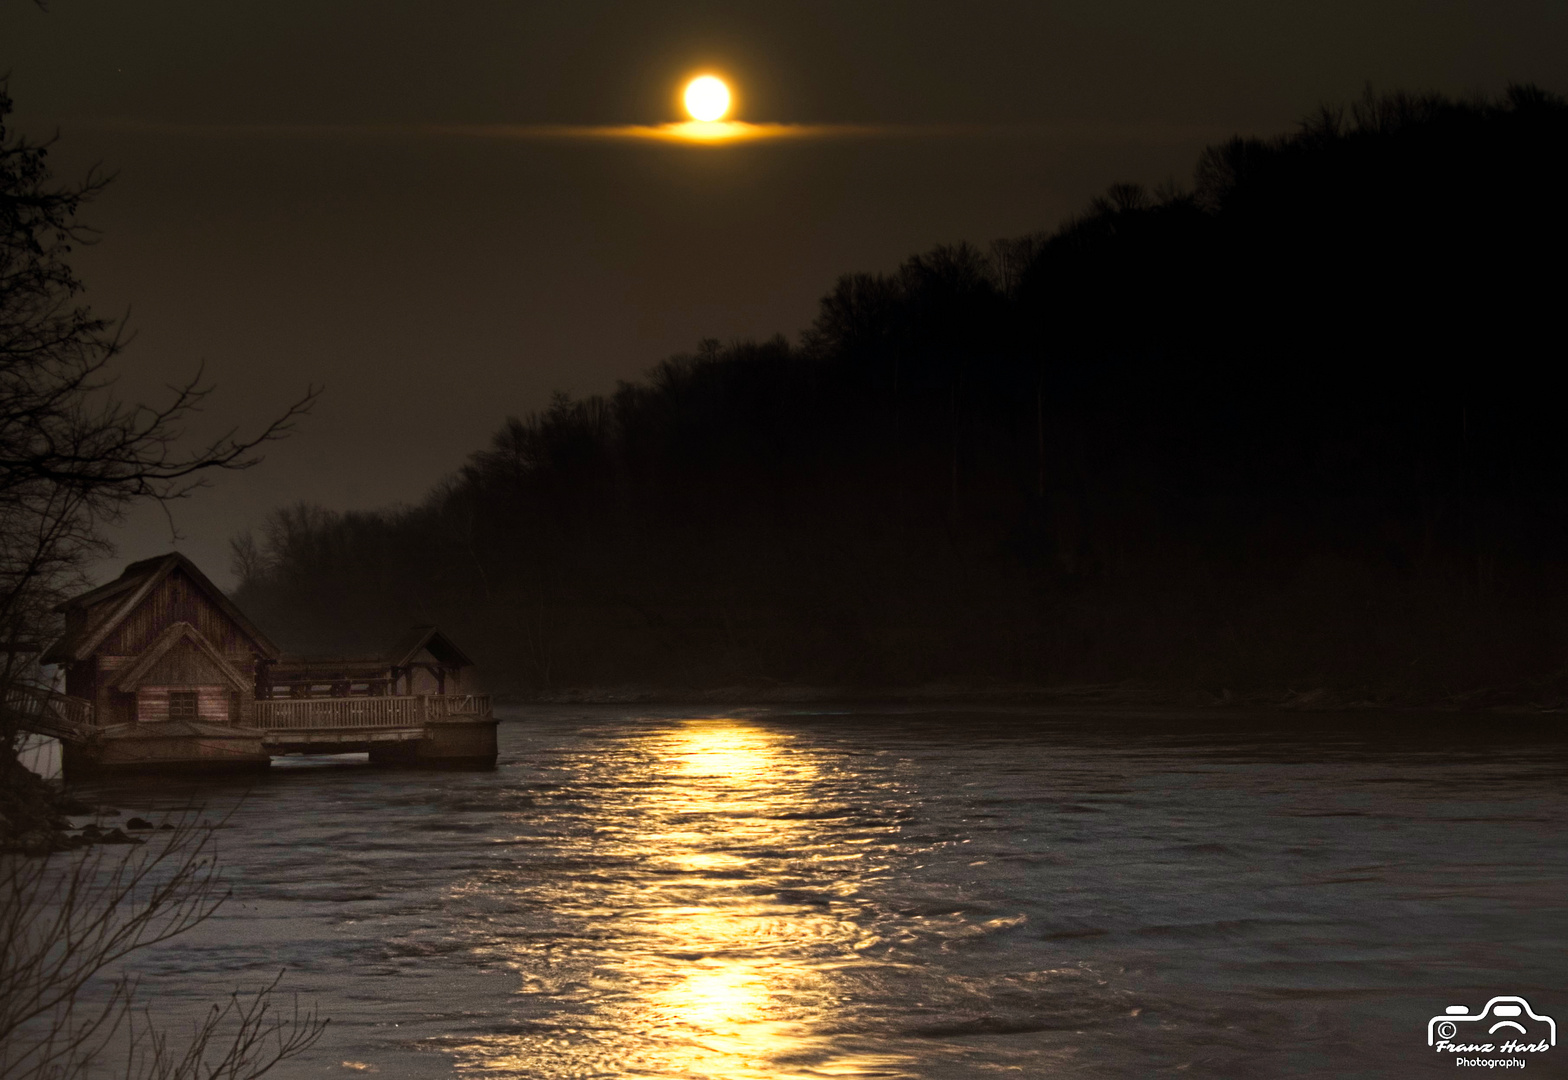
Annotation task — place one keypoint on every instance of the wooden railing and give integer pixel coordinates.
(459, 705)
(40, 709)
(367, 712)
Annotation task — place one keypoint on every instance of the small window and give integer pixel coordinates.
(182, 705)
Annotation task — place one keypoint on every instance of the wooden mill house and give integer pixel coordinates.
(162, 669)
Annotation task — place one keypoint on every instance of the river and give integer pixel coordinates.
(771, 893)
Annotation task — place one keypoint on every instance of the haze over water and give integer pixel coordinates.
(770, 894)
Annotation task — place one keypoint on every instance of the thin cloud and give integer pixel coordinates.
(694, 132)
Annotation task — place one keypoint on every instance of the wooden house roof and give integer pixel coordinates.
(119, 598)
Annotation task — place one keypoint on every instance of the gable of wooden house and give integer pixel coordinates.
(428, 662)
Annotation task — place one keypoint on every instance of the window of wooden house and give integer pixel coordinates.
(182, 705)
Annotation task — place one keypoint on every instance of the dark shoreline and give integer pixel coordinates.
(1511, 701)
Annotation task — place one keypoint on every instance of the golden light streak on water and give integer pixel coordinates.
(728, 977)
(723, 973)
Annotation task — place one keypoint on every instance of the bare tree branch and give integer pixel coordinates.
(73, 457)
(67, 921)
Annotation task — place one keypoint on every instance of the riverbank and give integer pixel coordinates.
(36, 816)
(34, 812)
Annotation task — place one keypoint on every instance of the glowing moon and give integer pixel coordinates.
(707, 98)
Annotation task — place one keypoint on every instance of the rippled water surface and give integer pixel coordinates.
(771, 894)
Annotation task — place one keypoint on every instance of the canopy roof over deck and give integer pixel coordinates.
(405, 652)
(423, 647)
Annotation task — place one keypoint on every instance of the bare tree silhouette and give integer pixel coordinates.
(68, 921)
(73, 457)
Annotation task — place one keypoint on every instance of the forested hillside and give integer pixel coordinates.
(1298, 424)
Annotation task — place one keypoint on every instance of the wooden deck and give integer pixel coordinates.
(420, 731)
(351, 713)
(378, 724)
(48, 713)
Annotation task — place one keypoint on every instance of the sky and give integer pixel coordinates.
(366, 196)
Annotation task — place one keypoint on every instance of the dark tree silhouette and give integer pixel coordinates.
(1292, 427)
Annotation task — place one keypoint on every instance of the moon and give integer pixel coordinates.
(707, 98)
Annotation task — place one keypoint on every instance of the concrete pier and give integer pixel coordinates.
(167, 747)
(450, 745)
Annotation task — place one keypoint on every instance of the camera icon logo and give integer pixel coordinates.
(1508, 1018)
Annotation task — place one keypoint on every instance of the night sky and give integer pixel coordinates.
(323, 193)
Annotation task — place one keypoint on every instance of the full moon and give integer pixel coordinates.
(707, 98)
